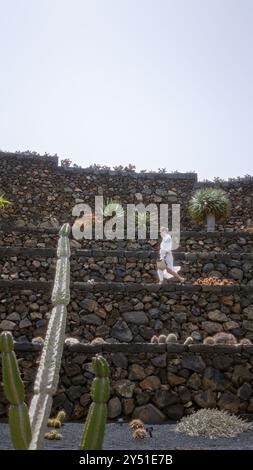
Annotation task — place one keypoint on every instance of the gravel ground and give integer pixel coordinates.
(120, 437)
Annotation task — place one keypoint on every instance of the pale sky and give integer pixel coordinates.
(155, 83)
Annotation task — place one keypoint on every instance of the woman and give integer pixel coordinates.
(166, 257)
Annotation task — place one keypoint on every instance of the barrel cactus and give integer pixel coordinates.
(94, 429)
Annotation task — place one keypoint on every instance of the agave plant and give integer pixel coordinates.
(208, 205)
(3, 202)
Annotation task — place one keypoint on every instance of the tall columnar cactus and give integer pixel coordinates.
(47, 378)
(94, 429)
(15, 393)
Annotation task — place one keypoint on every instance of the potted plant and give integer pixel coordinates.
(208, 205)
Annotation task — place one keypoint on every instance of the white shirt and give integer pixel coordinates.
(165, 246)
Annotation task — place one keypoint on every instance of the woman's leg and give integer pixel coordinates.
(175, 274)
(160, 275)
(169, 261)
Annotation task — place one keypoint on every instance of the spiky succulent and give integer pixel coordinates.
(209, 201)
(212, 423)
(3, 202)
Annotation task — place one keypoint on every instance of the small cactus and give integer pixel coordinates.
(154, 339)
(208, 340)
(54, 423)
(171, 338)
(161, 339)
(225, 338)
(98, 341)
(140, 433)
(94, 429)
(14, 390)
(61, 416)
(38, 339)
(136, 424)
(245, 341)
(53, 435)
(188, 340)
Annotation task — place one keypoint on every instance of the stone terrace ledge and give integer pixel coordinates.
(135, 348)
(142, 255)
(184, 234)
(93, 171)
(127, 287)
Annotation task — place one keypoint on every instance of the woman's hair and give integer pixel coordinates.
(164, 229)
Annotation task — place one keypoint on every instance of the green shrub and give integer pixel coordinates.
(209, 201)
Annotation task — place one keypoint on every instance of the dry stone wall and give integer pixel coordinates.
(39, 188)
(153, 382)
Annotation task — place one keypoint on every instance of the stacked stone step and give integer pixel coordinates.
(126, 303)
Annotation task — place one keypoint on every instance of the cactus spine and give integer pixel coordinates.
(47, 378)
(94, 429)
(19, 422)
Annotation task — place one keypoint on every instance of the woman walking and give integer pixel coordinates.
(165, 268)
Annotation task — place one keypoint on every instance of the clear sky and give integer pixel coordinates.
(155, 83)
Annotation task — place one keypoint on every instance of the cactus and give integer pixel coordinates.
(61, 416)
(94, 430)
(188, 340)
(54, 423)
(136, 424)
(225, 338)
(98, 340)
(171, 338)
(140, 433)
(19, 422)
(209, 340)
(53, 435)
(47, 378)
(154, 339)
(161, 339)
(245, 341)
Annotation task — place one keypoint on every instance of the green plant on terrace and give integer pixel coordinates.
(208, 205)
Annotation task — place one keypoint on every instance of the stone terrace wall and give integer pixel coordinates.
(153, 382)
(190, 241)
(130, 312)
(39, 188)
(122, 266)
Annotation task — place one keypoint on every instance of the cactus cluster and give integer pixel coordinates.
(170, 339)
(28, 429)
(225, 338)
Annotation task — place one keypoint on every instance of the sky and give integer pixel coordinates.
(156, 83)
